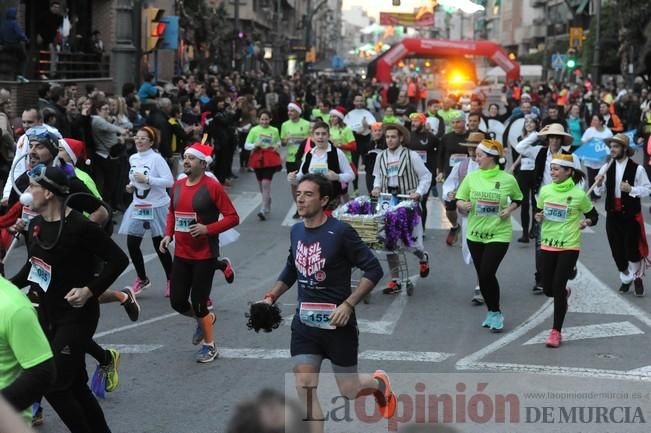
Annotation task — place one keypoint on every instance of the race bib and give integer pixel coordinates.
(28, 214)
(183, 221)
(40, 273)
(487, 208)
(316, 315)
(143, 212)
(319, 168)
(555, 212)
(265, 141)
(422, 154)
(393, 168)
(456, 158)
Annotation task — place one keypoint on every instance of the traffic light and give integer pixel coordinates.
(570, 63)
(153, 28)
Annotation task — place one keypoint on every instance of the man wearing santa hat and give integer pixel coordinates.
(197, 202)
(293, 133)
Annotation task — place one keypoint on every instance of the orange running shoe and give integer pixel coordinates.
(387, 403)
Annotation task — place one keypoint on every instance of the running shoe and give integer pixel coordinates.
(112, 378)
(453, 235)
(386, 402)
(198, 333)
(167, 289)
(262, 216)
(624, 288)
(140, 285)
(424, 265)
(206, 354)
(131, 305)
(497, 323)
(393, 287)
(554, 339)
(477, 299)
(37, 414)
(537, 289)
(524, 239)
(638, 288)
(489, 318)
(229, 272)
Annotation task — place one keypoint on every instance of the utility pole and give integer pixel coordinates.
(596, 78)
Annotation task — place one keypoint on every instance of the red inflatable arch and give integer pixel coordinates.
(444, 48)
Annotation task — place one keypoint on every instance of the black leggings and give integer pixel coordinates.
(133, 244)
(423, 209)
(526, 180)
(487, 258)
(191, 279)
(70, 397)
(556, 269)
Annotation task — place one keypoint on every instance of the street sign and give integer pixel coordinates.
(171, 35)
(558, 61)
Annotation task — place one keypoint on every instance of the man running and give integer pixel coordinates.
(193, 222)
(293, 133)
(322, 254)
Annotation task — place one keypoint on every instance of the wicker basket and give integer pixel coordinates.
(368, 227)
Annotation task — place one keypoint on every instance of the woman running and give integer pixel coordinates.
(489, 196)
(560, 206)
(149, 177)
(264, 140)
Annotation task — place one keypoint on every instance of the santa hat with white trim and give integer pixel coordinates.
(295, 106)
(492, 147)
(75, 149)
(339, 112)
(200, 151)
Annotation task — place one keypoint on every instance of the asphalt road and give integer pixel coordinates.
(434, 336)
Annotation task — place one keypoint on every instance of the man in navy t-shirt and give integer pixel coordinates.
(322, 254)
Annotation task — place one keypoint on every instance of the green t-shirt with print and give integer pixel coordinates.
(489, 192)
(339, 136)
(391, 119)
(563, 206)
(317, 114)
(266, 137)
(23, 344)
(295, 133)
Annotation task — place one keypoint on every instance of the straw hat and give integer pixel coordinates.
(473, 140)
(621, 139)
(558, 130)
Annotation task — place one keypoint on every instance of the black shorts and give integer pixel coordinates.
(266, 173)
(451, 205)
(338, 345)
(292, 166)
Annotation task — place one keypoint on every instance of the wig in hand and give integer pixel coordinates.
(263, 316)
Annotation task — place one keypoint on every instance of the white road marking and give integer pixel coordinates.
(370, 355)
(133, 348)
(135, 325)
(245, 203)
(436, 218)
(289, 221)
(586, 289)
(601, 330)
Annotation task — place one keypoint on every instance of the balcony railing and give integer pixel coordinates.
(64, 65)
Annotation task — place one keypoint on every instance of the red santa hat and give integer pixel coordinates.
(339, 112)
(75, 149)
(200, 151)
(295, 106)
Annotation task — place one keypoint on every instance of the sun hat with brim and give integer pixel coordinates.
(403, 131)
(563, 160)
(473, 140)
(621, 139)
(558, 130)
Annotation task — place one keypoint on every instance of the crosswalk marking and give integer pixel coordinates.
(601, 330)
(436, 218)
(369, 355)
(245, 203)
(288, 221)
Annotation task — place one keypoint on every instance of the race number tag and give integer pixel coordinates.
(555, 212)
(393, 168)
(319, 168)
(28, 214)
(265, 141)
(183, 221)
(143, 212)
(317, 315)
(456, 158)
(487, 208)
(422, 154)
(40, 273)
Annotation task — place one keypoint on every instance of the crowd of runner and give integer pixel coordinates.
(161, 159)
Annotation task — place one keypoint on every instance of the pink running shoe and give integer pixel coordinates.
(167, 289)
(554, 339)
(140, 285)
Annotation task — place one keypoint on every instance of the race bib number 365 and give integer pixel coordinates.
(555, 212)
(316, 315)
(40, 273)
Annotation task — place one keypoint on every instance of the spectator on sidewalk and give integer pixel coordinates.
(13, 40)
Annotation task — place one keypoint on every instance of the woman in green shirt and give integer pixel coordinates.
(489, 196)
(263, 141)
(561, 207)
